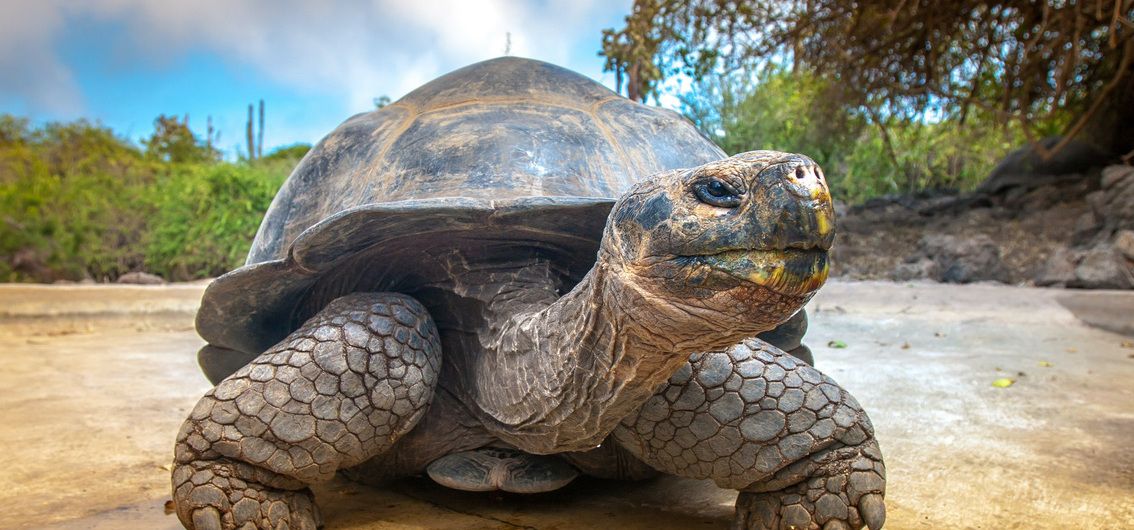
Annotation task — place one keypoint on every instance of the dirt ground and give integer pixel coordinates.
(96, 380)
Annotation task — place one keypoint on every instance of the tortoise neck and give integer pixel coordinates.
(559, 374)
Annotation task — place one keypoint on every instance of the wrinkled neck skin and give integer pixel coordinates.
(558, 375)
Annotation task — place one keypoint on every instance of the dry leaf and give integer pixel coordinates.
(1045, 364)
(1003, 382)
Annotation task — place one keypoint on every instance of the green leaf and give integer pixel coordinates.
(836, 344)
(1003, 382)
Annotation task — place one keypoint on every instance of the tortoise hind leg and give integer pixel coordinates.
(501, 468)
(339, 390)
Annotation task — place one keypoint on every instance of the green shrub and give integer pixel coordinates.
(71, 201)
(291, 153)
(207, 216)
(78, 202)
(863, 155)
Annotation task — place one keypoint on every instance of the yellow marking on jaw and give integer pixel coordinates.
(770, 269)
(764, 276)
(822, 223)
(758, 276)
(818, 276)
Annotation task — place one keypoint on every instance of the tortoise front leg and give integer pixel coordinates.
(339, 390)
(797, 446)
(789, 337)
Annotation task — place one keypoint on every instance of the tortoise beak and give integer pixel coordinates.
(788, 271)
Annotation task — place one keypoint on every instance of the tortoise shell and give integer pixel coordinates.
(503, 156)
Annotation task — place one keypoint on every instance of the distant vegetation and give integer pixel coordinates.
(777, 109)
(890, 96)
(78, 201)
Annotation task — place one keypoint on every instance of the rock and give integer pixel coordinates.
(141, 278)
(32, 264)
(1104, 267)
(1112, 175)
(1114, 203)
(1124, 243)
(1086, 226)
(964, 259)
(1059, 270)
(920, 269)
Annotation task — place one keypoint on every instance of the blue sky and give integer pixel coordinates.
(123, 62)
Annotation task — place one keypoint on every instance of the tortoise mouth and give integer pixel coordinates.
(791, 271)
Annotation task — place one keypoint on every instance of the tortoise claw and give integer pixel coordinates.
(207, 518)
(873, 510)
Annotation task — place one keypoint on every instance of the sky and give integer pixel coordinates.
(314, 63)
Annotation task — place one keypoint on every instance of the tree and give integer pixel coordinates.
(172, 141)
(631, 53)
(1035, 62)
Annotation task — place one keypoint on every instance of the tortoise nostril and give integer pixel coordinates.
(804, 180)
(804, 173)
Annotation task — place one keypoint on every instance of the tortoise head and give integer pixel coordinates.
(740, 242)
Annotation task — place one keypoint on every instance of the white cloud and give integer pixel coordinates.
(354, 50)
(29, 67)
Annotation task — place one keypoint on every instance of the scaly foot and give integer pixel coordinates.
(224, 495)
(843, 490)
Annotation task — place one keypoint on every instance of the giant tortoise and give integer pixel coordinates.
(512, 276)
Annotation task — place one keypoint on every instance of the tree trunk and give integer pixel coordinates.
(1112, 128)
(632, 83)
(248, 133)
(260, 135)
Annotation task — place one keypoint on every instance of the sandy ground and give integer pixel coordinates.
(96, 380)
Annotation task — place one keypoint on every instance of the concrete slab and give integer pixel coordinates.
(97, 379)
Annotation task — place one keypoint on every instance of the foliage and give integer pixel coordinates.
(69, 199)
(291, 152)
(1026, 61)
(78, 202)
(207, 215)
(173, 141)
(630, 52)
(775, 109)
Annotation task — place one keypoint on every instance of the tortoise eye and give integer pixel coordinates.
(717, 193)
